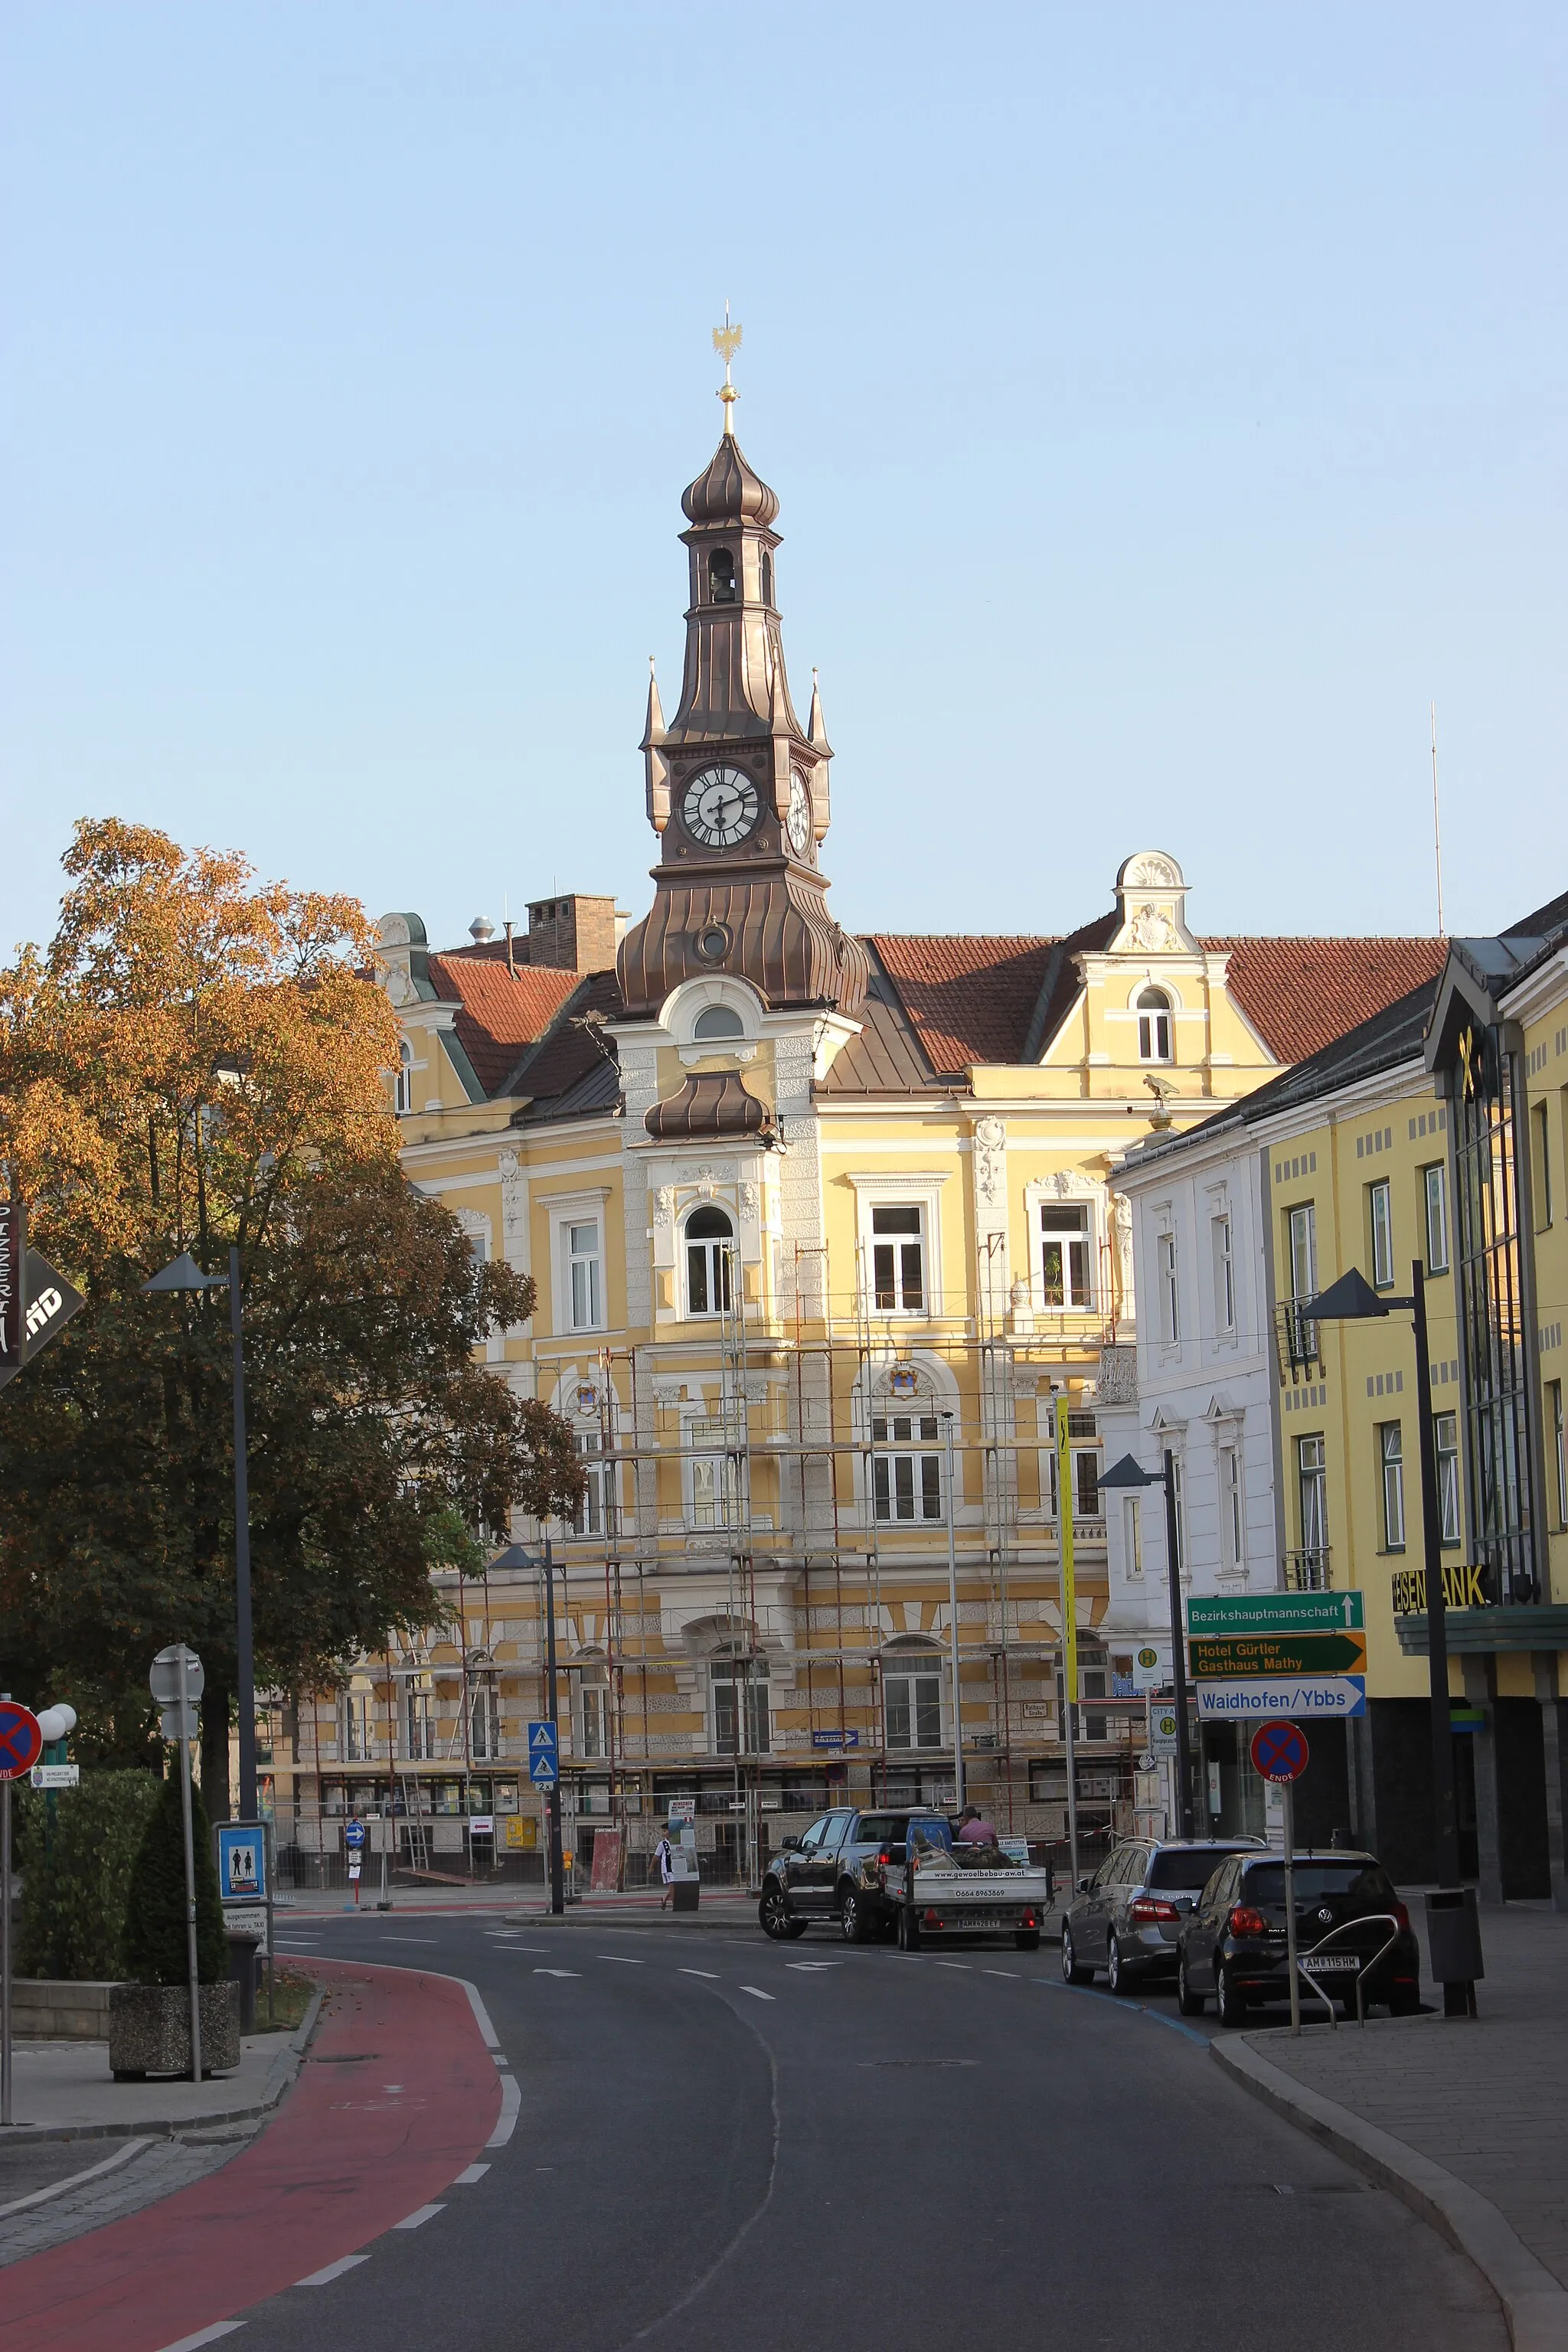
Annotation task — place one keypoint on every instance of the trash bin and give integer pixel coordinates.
(1454, 1935)
(686, 1891)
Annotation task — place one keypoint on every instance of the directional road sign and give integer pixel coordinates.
(1274, 1612)
(543, 1753)
(354, 1835)
(1279, 1751)
(1308, 1695)
(1233, 1657)
(21, 1741)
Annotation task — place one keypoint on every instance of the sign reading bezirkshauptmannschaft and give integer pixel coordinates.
(1273, 1613)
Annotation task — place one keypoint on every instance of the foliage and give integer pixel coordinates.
(450, 1542)
(153, 1945)
(75, 1873)
(200, 1065)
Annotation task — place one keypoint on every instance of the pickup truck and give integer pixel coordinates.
(936, 1889)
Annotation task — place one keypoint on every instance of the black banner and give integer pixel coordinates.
(46, 1306)
(13, 1288)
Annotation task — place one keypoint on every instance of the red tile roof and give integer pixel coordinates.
(1300, 995)
(968, 1000)
(499, 1011)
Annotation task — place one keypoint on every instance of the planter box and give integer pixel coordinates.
(54, 2009)
(150, 2029)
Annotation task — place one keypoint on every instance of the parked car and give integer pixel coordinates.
(1350, 1929)
(1126, 1917)
(830, 1872)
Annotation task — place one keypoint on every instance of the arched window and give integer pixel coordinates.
(719, 1021)
(1154, 1026)
(405, 1076)
(767, 577)
(722, 576)
(709, 1247)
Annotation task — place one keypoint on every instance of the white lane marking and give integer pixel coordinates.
(1009, 1975)
(74, 2179)
(756, 1992)
(333, 2271)
(469, 2174)
(809, 1967)
(510, 2101)
(204, 2336)
(711, 1974)
(620, 1960)
(500, 2058)
(964, 1965)
(416, 2220)
(481, 2014)
(557, 1972)
(408, 1939)
(532, 1949)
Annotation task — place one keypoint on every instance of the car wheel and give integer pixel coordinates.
(1230, 2000)
(772, 1915)
(909, 1930)
(1405, 2004)
(856, 1924)
(1118, 1975)
(1071, 1972)
(1027, 1939)
(1189, 2002)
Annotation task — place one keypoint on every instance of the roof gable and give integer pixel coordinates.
(499, 1011)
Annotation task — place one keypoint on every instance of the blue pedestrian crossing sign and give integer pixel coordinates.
(543, 1752)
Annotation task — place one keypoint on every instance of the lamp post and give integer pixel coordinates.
(1353, 1300)
(515, 1556)
(958, 1786)
(1128, 1473)
(184, 1273)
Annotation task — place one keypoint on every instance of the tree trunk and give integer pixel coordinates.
(216, 1711)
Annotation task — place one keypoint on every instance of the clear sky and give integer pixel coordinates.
(1166, 404)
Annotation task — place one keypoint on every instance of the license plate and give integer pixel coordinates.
(986, 1919)
(1332, 1964)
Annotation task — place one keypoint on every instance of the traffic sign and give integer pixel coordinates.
(21, 1741)
(1274, 1612)
(543, 1764)
(1150, 1668)
(1232, 1657)
(835, 1739)
(1279, 1751)
(354, 1835)
(1163, 1739)
(163, 1679)
(241, 1862)
(1338, 1696)
(56, 1776)
(542, 1735)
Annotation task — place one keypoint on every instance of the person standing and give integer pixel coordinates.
(663, 1854)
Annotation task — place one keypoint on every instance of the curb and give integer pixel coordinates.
(1534, 2306)
(285, 2066)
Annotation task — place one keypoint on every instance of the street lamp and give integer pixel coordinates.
(184, 1273)
(1352, 1299)
(959, 1791)
(1128, 1473)
(515, 1556)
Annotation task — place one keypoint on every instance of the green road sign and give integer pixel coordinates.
(1231, 1657)
(1274, 1612)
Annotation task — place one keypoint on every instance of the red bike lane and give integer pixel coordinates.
(397, 2095)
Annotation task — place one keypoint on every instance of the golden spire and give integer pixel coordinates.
(727, 341)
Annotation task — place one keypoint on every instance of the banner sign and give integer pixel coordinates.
(13, 1259)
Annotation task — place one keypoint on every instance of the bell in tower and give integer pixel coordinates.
(737, 789)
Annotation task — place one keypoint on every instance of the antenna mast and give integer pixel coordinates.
(1436, 826)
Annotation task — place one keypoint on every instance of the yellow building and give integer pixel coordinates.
(1425, 1149)
(805, 1210)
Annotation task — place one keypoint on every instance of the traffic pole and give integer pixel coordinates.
(557, 1868)
(190, 1875)
(5, 1950)
(1290, 1794)
(959, 1791)
(1069, 1624)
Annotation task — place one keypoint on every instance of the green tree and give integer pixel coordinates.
(75, 1873)
(153, 1945)
(197, 1062)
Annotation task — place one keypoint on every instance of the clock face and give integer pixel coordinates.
(719, 807)
(797, 824)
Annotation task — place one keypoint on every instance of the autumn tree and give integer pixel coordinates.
(197, 1061)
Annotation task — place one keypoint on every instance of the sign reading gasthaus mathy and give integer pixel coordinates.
(1293, 1654)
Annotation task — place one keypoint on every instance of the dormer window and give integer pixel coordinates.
(722, 576)
(1155, 1025)
(717, 1021)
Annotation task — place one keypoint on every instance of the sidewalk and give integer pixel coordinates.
(1467, 2120)
(64, 2090)
(726, 1904)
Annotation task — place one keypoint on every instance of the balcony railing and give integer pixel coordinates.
(1307, 1572)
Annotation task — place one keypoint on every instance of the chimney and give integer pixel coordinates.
(573, 933)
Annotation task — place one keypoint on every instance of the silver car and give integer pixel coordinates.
(1126, 1918)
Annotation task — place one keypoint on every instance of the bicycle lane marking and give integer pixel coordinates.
(343, 2161)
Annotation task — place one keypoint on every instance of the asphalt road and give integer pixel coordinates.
(727, 2146)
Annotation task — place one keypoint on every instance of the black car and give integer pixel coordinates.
(1351, 1932)
(823, 1873)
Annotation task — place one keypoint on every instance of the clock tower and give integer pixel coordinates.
(737, 789)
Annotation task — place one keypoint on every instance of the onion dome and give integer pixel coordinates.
(728, 490)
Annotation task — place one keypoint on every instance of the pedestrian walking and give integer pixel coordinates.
(663, 1854)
